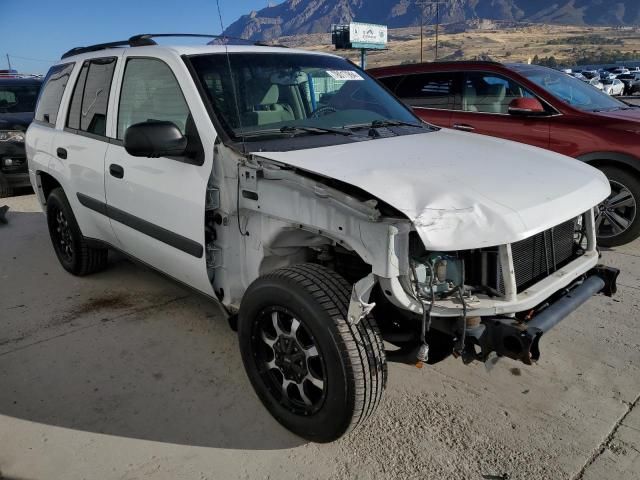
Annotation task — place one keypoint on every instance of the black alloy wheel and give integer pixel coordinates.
(61, 235)
(317, 374)
(617, 220)
(289, 361)
(71, 248)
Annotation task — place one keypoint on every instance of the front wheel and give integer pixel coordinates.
(617, 219)
(318, 375)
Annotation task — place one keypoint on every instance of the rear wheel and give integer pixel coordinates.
(617, 219)
(71, 248)
(318, 375)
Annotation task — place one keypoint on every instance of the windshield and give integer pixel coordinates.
(18, 98)
(285, 92)
(571, 90)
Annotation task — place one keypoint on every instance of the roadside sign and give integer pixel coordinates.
(360, 36)
(367, 35)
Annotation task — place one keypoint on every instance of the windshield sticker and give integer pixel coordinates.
(345, 75)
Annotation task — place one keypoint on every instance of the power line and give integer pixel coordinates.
(31, 59)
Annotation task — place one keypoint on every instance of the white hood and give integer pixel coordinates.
(461, 190)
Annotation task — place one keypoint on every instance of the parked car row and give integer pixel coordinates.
(614, 81)
(319, 211)
(538, 106)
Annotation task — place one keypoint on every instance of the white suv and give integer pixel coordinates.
(296, 191)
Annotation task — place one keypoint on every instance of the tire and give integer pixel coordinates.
(6, 190)
(71, 248)
(610, 230)
(350, 362)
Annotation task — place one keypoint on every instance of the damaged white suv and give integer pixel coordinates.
(330, 223)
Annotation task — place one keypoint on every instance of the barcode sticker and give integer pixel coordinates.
(345, 75)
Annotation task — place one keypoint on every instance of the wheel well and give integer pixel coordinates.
(603, 159)
(299, 246)
(47, 183)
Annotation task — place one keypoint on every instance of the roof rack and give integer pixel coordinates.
(146, 39)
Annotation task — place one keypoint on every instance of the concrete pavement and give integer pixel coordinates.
(126, 375)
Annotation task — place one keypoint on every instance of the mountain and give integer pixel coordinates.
(294, 17)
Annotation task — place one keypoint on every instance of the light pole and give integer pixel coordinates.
(423, 3)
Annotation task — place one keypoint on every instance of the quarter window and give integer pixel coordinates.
(51, 95)
(150, 92)
(88, 109)
(490, 93)
(428, 90)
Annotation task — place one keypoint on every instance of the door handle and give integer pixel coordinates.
(62, 153)
(464, 127)
(116, 170)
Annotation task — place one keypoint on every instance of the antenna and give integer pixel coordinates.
(233, 81)
(235, 101)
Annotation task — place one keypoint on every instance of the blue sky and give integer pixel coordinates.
(42, 30)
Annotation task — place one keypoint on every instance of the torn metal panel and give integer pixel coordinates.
(359, 306)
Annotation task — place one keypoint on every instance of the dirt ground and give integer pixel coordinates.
(126, 375)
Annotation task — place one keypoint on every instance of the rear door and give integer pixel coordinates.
(432, 96)
(157, 205)
(81, 145)
(485, 109)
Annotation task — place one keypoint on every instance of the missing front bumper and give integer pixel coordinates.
(518, 339)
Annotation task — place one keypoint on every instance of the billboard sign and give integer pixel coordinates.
(367, 35)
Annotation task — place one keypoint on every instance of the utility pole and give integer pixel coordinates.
(8, 62)
(424, 3)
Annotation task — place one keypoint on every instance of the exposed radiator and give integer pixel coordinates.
(539, 256)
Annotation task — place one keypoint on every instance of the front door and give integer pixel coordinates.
(157, 205)
(485, 110)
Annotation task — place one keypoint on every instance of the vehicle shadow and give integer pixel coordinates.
(123, 352)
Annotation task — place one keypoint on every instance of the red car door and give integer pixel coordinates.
(484, 109)
(431, 95)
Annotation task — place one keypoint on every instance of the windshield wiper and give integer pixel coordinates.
(293, 129)
(313, 129)
(386, 123)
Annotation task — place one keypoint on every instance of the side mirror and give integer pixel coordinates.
(526, 106)
(154, 139)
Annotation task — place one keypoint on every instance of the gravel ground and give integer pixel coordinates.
(126, 375)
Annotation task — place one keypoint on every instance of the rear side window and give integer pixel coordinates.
(51, 95)
(428, 90)
(90, 99)
(150, 92)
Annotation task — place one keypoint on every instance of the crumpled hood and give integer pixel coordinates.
(461, 190)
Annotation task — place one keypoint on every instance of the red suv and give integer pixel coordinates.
(541, 107)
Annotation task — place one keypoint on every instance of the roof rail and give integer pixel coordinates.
(146, 39)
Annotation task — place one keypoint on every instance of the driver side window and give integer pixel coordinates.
(490, 93)
(150, 92)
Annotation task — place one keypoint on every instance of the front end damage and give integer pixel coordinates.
(491, 300)
(519, 338)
